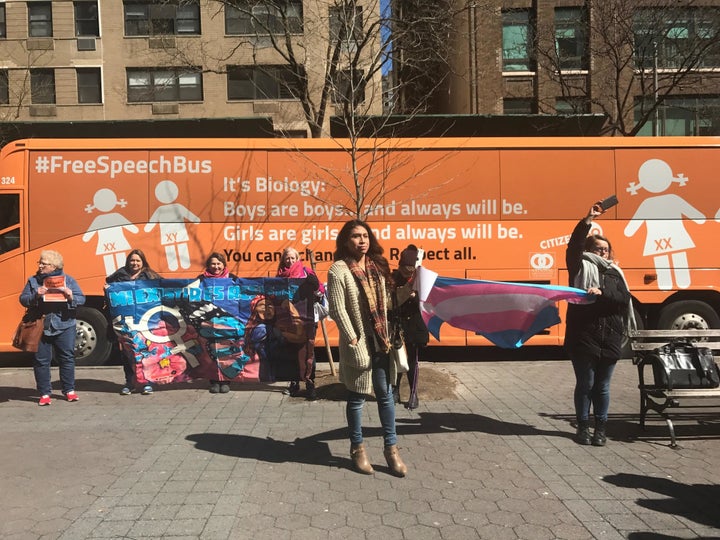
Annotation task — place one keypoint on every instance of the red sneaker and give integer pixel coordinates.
(71, 396)
(44, 400)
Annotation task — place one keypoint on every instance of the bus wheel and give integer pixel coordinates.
(92, 347)
(688, 315)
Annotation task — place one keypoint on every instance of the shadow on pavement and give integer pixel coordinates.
(16, 393)
(461, 422)
(313, 449)
(696, 502)
(306, 450)
(691, 425)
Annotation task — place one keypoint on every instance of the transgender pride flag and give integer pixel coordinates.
(507, 314)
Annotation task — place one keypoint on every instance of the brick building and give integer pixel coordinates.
(595, 56)
(105, 60)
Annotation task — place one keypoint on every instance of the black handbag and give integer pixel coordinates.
(684, 365)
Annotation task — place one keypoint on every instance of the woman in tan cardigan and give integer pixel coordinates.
(358, 303)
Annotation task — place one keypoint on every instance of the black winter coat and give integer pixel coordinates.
(595, 330)
(414, 329)
(122, 274)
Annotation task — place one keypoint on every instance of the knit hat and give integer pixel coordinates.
(409, 255)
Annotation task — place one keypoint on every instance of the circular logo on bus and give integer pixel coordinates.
(542, 261)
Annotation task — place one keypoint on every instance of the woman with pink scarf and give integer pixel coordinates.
(216, 268)
(311, 290)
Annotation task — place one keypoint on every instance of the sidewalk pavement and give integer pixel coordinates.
(494, 461)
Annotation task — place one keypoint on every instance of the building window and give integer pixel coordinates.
(684, 116)
(86, 19)
(677, 38)
(572, 105)
(89, 85)
(42, 86)
(518, 106)
(517, 40)
(346, 25)
(40, 19)
(4, 87)
(262, 82)
(3, 27)
(164, 84)
(349, 87)
(571, 37)
(248, 17)
(162, 18)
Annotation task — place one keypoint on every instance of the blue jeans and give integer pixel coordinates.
(592, 387)
(386, 409)
(63, 344)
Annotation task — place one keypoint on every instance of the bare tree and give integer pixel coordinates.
(626, 58)
(22, 87)
(338, 59)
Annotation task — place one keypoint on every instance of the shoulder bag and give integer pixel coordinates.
(398, 352)
(29, 332)
(399, 356)
(684, 365)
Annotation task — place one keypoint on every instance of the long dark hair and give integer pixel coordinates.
(215, 255)
(139, 253)
(149, 272)
(375, 251)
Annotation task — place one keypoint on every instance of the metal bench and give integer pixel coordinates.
(660, 399)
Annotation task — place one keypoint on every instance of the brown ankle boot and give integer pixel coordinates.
(360, 461)
(392, 456)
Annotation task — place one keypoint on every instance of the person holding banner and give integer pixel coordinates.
(358, 303)
(406, 308)
(216, 268)
(308, 293)
(136, 268)
(56, 295)
(594, 333)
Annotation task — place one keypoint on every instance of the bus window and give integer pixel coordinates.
(9, 222)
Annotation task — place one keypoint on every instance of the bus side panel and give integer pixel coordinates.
(502, 213)
(556, 183)
(669, 211)
(11, 284)
(14, 265)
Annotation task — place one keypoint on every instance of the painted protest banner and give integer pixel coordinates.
(239, 329)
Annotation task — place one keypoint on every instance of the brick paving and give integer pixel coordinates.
(496, 461)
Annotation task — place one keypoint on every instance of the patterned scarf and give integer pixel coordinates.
(371, 284)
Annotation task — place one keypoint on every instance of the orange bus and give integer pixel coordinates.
(482, 208)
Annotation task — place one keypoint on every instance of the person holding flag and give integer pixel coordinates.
(595, 331)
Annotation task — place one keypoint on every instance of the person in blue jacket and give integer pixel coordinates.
(56, 295)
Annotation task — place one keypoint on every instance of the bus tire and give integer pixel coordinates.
(92, 347)
(688, 314)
